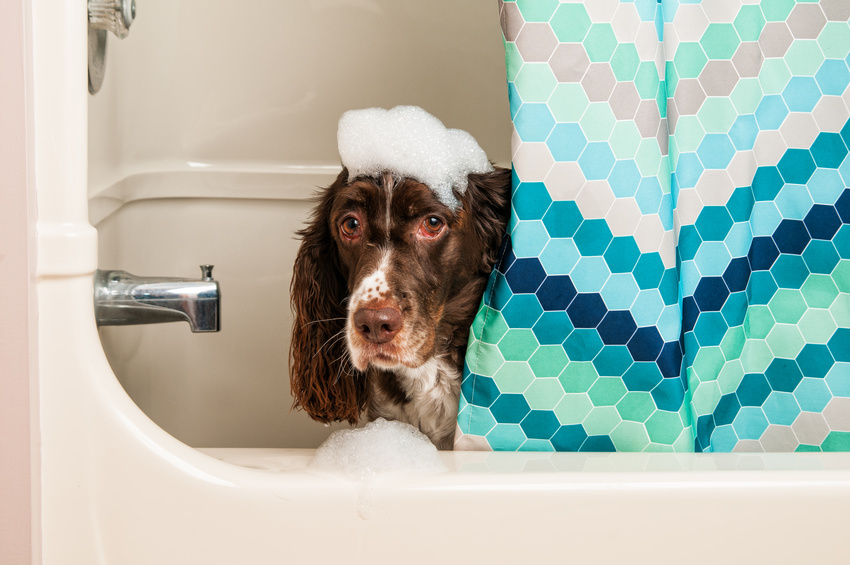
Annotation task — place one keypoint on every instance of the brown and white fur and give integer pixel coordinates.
(385, 286)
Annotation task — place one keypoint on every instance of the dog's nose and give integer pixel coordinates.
(377, 325)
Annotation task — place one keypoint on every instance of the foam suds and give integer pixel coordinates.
(382, 448)
(410, 142)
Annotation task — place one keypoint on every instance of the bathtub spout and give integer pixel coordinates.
(124, 299)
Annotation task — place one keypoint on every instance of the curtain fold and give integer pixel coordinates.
(677, 271)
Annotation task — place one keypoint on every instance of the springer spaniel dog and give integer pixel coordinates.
(386, 283)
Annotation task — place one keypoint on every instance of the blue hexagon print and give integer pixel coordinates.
(676, 276)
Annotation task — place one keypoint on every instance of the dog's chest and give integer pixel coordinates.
(431, 398)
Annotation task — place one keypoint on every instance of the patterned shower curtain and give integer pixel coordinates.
(677, 273)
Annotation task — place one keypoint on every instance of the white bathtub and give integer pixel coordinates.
(129, 493)
(206, 466)
(219, 389)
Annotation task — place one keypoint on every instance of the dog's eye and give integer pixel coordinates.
(431, 227)
(350, 227)
(433, 223)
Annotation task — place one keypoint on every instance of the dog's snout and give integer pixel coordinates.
(377, 325)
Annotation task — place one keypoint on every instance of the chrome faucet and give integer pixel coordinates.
(123, 299)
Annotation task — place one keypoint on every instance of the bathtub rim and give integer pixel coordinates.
(246, 181)
(237, 180)
(515, 467)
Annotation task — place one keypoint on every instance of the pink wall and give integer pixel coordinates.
(17, 296)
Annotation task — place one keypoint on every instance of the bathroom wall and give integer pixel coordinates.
(19, 461)
(210, 82)
(212, 129)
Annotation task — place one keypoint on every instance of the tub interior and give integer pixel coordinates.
(229, 388)
(213, 129)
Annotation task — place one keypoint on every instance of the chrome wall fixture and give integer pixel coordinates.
(122, 299)
(106, 15)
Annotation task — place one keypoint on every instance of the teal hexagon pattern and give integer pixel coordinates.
(676, 275)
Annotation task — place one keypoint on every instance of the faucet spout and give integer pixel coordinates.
(121, 298)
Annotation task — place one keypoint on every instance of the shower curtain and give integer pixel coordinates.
(677, 271)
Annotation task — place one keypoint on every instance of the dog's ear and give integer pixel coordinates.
(487, 203)
(323, 383)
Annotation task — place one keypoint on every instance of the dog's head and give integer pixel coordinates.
(387, 276)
